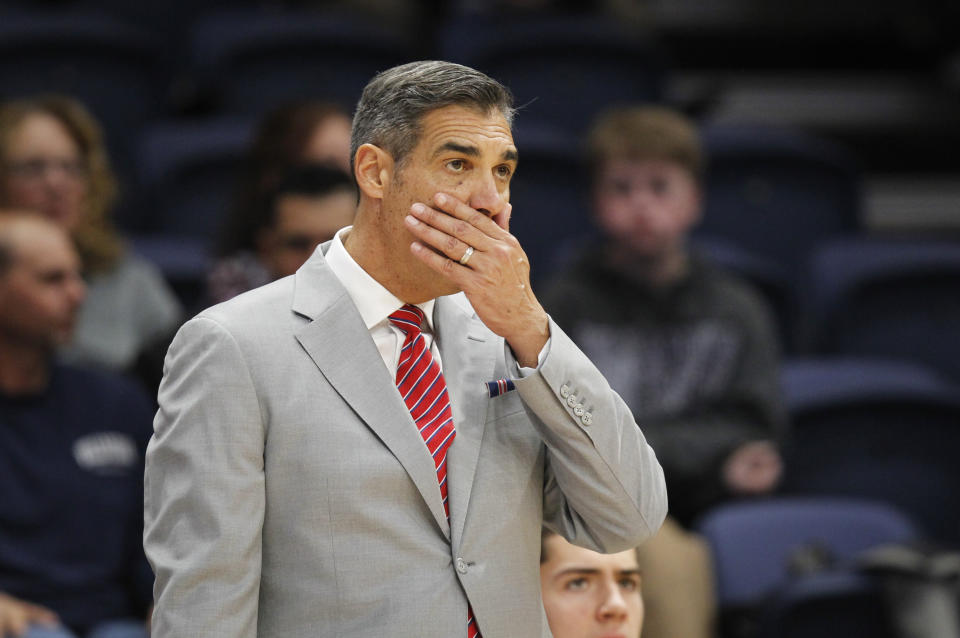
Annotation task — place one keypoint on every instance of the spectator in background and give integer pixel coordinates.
(307, 207)
(691, 349)
(53, 161)
(589, 595)
(71, 453)
(292, 135)
(297, 133)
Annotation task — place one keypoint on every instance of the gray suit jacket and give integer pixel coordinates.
(288, 493)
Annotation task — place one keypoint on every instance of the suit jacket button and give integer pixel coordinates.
(578, 410)
(571, 400)
(461, 566)
(564, 391)
(586, 419)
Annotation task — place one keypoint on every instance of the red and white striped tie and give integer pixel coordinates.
(424, 390)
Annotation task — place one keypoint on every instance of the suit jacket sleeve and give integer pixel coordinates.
(204, 489)
(604, 488)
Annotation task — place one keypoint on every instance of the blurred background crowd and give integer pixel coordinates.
(797, 317)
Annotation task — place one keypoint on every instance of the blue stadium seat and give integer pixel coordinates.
(550, 197)
(777, 193)
(874, 297)
(113, 68)
(260, 59)
(562, 70)
(762, 548)
(832, 604)
(885, 430)
(189, 171)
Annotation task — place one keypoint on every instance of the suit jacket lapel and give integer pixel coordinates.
(341, 347)
(469, 354)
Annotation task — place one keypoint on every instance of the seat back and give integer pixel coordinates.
(114, 69)
(777, 192)
(898, 299)
(562, 70)
(549, 195)
(257, 60)
(757, 545)
(190, 172)
(876, 429)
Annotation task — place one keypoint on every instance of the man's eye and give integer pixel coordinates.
(504, 172)
(577, 584)
(630, 584)
(456, 165)
(618, 187)
(660, 186)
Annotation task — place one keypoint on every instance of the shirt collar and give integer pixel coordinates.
(374, 302)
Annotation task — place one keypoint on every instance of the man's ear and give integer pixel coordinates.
(373, 168)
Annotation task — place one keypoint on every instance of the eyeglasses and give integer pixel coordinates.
(38, 168)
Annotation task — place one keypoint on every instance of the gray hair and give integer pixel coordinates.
(394, 102)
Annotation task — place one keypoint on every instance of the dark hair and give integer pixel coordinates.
(545, 535)
(310, 179)
(394, 102)
(278, 144)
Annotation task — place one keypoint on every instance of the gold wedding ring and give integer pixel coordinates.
(466, 256)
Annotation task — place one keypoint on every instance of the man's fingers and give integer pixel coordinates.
(42, 615)
(14, 624)
(455, 227)
(447, 267)
(459, 210)
(440, 241)
(16, 616)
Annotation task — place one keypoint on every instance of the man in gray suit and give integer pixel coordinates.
(288, 491)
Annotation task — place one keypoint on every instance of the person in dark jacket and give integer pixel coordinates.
(71, 447)
(690, 348)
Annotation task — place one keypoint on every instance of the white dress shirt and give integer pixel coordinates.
(376, 304)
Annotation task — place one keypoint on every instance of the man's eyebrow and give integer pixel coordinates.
(509, 155)
(472, 151)
(578, 570)
(634, 571)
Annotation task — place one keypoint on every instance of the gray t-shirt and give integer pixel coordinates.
(125, 310)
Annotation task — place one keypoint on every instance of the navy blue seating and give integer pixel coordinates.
(762, 548)
(113, 68)
(777, 193)
(886, 430)
(549, 194)
(831, 604)
(562, 70)
(874, 297)
(189, 171)
(257, 60)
